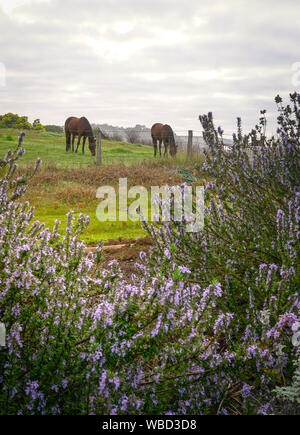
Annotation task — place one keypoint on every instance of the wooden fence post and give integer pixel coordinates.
(190, 144)
(99, 150)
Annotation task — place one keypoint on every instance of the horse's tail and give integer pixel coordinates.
(68, 133)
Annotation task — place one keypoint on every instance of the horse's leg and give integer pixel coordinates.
(166, 148)
(83, 143)
(160, 142)
(154, 146)
(73, 140)
(78, 142)
(68, 141)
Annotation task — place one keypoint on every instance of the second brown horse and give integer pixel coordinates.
(82, 128)
(163, 133)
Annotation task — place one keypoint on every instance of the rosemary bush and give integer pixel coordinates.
(250, 247)
(207, 327)
(45, 287)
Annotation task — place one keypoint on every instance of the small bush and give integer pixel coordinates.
(116, 136)
(132, 135)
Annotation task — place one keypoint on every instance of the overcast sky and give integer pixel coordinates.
(128, 62)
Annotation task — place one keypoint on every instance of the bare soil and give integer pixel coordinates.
(126, 252)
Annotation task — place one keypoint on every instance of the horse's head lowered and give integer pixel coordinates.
(92, 145)
(173, 146)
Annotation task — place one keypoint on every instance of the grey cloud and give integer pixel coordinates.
(52, 71)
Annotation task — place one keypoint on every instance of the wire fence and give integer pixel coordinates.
(143, 136)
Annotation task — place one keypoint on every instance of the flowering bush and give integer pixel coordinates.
(45, 288)
(207, 326)
(82, 341)
(249, 247)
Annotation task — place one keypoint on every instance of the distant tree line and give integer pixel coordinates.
(54, 128)
(13, 120)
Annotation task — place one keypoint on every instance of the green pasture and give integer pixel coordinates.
(53, 196)
(51, 148)
(47, 212)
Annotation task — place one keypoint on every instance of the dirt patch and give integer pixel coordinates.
(126, 249)
(126, 252)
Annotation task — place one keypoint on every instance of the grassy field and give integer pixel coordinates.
(50, 147)
(68, 181)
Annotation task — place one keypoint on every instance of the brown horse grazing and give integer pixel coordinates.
(82, 128)
(163, 133)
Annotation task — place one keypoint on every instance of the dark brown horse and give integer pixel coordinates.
(163, 133)
(82, 128)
